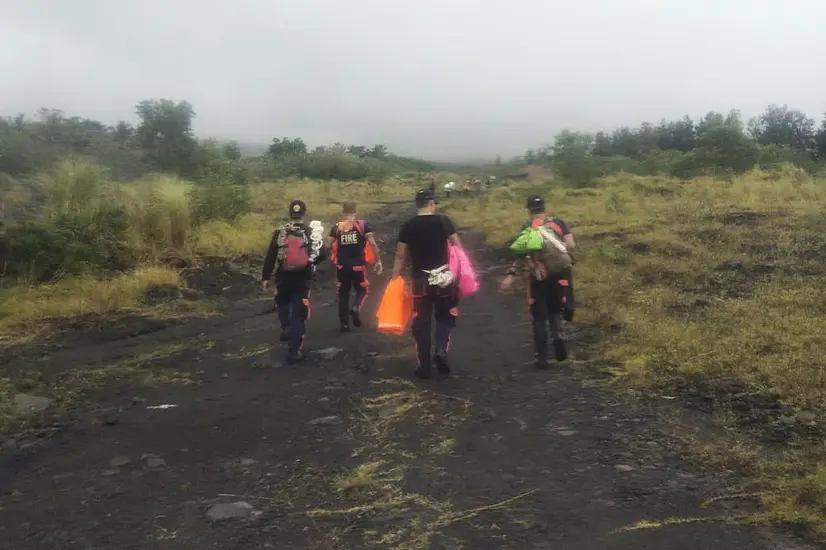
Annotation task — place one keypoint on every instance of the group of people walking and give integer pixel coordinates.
(295, 250)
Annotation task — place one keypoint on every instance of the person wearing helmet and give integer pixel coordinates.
(292, 258)
(550, 297)
(449, 188)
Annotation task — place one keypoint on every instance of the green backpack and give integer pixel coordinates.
(543, 245)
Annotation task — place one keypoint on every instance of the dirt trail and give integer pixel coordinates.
(498, 456)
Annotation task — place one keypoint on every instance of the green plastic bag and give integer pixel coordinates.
(529, 240)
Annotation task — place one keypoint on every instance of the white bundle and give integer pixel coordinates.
(441, 276)
(316, 238)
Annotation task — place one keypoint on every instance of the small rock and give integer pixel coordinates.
(27, 403)
(326, 421)
(328, 353)
(109, 473)
(623, 468)
(224, 375)
(247, 462)
(155, 462)
(119, 461)
(58, 477)
(110, 420)
(138, 400)
(566, 433)
(731, 265)
(190, 294)
(806, 417)
(324, 400)
(488, 415)
(240, 509)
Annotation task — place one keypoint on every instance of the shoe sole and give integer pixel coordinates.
(441, 365)
(560, 352)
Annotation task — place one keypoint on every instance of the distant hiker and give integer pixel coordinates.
(545, 244)
(292, 256)
(348, 242)
(425, 239)
(449, 188)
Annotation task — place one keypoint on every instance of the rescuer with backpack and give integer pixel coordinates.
(352, 247)
(545, 244)
(294, 251)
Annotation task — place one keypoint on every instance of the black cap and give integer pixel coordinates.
(535, 202)
(425, 195)
(297, 209)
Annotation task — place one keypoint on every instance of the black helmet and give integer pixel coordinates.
(535, 203)
(297, 209)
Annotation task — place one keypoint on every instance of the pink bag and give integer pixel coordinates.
(459, 264)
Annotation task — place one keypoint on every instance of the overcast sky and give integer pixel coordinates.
(434, 78)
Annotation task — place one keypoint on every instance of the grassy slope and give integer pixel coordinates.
(719, 291)
(161, 207)
(717, 287)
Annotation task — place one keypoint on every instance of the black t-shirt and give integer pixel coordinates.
(426, 238)
(351, 244)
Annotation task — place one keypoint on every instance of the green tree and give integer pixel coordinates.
(573, 159)
(782, 126)
(165, 135)
(722, 144)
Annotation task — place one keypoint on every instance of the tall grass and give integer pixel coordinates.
(74, 188)
(92, 227)
(159, 214)
(718, 288)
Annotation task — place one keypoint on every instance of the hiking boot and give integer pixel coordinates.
(423, 372)
(559, 349)
(541, 363)
(440, 358)
(294, 357)
(356, 317)
(345, 327)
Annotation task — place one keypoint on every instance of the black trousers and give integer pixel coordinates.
(351, 278)
(432, 303)
(292, 297)
(547, 300)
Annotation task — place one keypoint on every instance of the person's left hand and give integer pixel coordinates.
(378, 268)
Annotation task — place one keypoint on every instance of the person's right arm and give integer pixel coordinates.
(331, 238)
(513, 269)
(452, 236)
(401, 251)
(269, 260)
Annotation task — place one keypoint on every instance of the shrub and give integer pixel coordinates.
(47, 249)
(215, 201)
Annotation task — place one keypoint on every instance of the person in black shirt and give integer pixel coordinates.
(348, 241)
(291, 257)
(425, 239)
(548, 297)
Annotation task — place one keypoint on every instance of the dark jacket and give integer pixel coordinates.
(272, 257)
